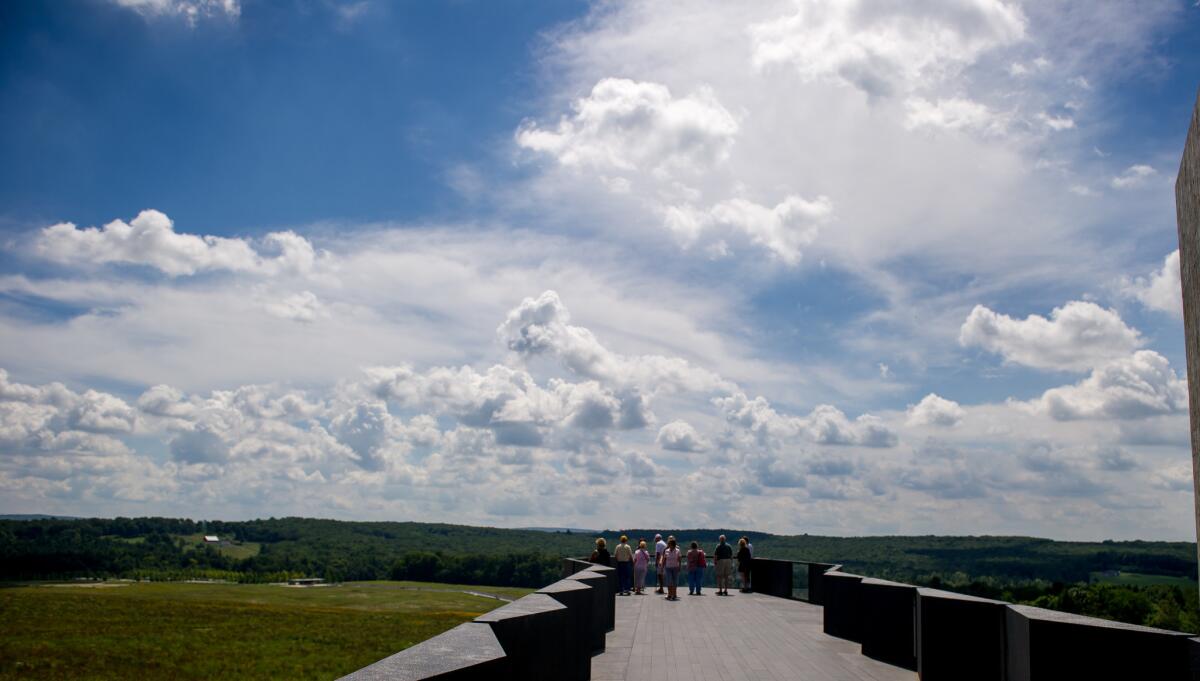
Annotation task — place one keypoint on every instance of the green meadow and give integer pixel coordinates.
(124, 630)
(1137, 579)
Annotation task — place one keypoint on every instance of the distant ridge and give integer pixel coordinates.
(36, 516)
(572, 530)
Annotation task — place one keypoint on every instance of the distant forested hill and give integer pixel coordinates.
(260, 550)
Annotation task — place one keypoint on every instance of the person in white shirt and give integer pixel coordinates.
(660, 549)
(672, 559)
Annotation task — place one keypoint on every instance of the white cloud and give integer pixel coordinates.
(934, 410)
(1056, 123)
(300, 307)
(1162, 290)
(782, 230)
(627, 125)
(1138, 386)
(884, 47)
(54, 419)
(952, 114)
(150, 239)
(541, 327)
(680, 436)
(1078, 336)
(189, 10)
(1134, 176)
(825, 424)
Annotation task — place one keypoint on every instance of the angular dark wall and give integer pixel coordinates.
(960, 637)
(1047, 644)
(888, 622)
(1187, 211)
(842, 614)
(468, 652)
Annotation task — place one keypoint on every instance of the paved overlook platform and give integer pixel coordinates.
(729, 638)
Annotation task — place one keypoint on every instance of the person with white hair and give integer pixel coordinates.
(723, 556)
(660, 549)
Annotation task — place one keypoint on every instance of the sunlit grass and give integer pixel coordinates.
(204, 631)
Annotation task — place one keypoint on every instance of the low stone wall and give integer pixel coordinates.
(946, 636)
(771, 577)
(843, 610)
(550, 634)
(889, 622)
(816, 581)
(1046, 644)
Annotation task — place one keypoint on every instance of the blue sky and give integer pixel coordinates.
(830, 267)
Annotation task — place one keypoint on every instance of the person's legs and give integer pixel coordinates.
(639, 579)
(699, 579)
(658, 574)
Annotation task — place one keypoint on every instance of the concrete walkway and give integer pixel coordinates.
(730, 638)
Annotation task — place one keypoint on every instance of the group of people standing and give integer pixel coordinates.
(669, 561)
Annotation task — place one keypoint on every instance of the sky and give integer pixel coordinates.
(846, 267)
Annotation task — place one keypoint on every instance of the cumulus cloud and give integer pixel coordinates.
(680, 436)
(628, 125)
(541, 327)
(782, 230)
(1077, 337)
(1134, 176)
(1161, 290)
(884, 47)
(1138, 386)
(52, 418)
(935, 410)
(825, 424)
(150, 239)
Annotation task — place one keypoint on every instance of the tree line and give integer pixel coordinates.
(1017, 569)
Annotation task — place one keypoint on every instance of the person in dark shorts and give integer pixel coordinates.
(624, 556)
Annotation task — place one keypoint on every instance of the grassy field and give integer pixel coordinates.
(122, 630)
(1135, 579)
(232, 549)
